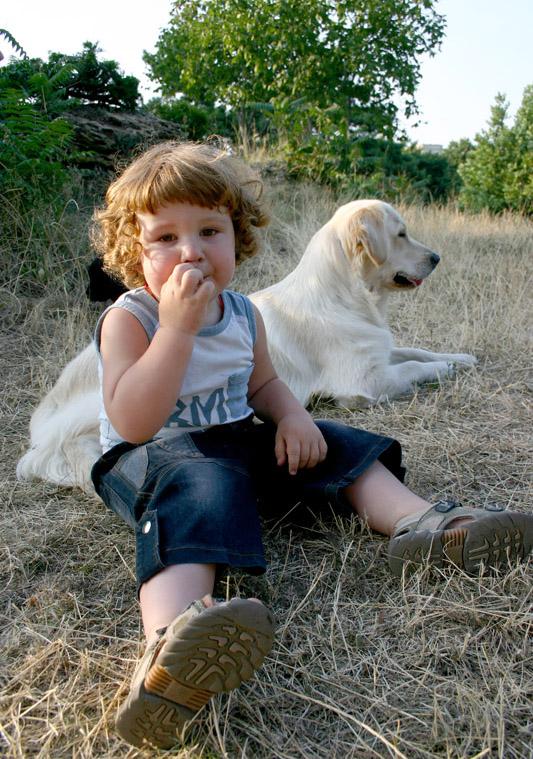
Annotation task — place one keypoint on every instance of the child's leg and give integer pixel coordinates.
(206, 648)
(170, 591)
(379, 498)
(444, 533)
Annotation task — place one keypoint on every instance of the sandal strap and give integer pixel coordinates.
(192, 610)
(439, 515)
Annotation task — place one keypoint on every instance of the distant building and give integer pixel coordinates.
(431, 148)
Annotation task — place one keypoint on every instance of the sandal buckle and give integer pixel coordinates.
(445, 505)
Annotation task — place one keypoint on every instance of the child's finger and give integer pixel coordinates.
(279, 450)
(179, 270)
(205, 291)
(314, 455)
(293, 456)
(305, 455)
(191, 280)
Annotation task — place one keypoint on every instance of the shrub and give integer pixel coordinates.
(367, 166)
(66, 81)
(196, 121)
(32, 150)
(497, 173)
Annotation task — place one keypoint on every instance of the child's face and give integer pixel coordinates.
(183, 233)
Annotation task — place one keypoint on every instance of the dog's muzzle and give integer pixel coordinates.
(408, 280)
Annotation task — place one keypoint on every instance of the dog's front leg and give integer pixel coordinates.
(400, 378)
(399, 355)
(358, 401)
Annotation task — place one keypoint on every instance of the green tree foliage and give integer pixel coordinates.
(38, 160)
(32, 145)
(196, 121)
(96, 82)
(32, 150)
(327, 69)
(389, 169)
(13, 42)
(457, 151)
(36, 143)
(498, 173)
(66, 81)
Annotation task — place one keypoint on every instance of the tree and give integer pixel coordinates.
(32, 145)
(64, 81)
(457, 151)
(196, 122)
(13, 42)
(519, 179)
(498, 173)
(96, 82)
(325, 67)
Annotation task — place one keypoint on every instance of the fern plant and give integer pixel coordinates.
(13, 42)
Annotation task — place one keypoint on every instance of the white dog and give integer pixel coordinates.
(326, 321)
(327, 334)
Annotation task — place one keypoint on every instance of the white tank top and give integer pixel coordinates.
(215, 386)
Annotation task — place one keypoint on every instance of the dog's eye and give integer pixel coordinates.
(402, 234)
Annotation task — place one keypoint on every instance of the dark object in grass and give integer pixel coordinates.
(102, 287)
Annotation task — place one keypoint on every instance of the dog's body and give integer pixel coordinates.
(327, 320)
(327, 334)
(64, 428)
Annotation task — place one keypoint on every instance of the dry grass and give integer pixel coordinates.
(363, 665)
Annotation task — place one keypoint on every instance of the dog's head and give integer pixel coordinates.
(375, 239)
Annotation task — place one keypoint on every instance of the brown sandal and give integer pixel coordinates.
(205, 650)
(492, 537)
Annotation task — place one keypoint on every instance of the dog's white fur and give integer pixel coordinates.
(327, 320)
(327, 334)
(64, 428)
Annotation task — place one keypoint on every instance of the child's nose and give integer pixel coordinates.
(191, 250)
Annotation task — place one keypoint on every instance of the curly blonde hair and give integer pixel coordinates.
(174, 172)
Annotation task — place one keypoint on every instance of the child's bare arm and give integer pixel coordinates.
(142, 380)
(299, 442)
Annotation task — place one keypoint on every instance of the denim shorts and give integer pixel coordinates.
(197, 497)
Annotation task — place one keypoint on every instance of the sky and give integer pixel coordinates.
(487, 49)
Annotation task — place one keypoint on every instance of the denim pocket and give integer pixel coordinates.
(117, 498)
(119, 487)
(181, 445)
(133, 466)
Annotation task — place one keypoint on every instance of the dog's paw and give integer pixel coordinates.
(355, 401)
(463, 359)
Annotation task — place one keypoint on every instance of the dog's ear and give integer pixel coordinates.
(363, 235)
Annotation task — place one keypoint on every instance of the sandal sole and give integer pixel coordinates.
(492, 541)
(214, 652)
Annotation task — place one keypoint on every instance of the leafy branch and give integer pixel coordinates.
(13, 42)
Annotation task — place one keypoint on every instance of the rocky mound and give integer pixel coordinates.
(105, 136)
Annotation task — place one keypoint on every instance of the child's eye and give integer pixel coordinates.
(168, 237)
(209, 232)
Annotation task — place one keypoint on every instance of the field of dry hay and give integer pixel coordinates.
(363, 665)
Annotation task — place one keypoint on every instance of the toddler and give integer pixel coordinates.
(185, 378)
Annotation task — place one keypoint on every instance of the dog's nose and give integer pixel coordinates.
(434, 258)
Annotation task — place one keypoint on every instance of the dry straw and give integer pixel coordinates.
(363, 665)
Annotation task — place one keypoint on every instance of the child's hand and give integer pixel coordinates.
(299, 442)
(184, 299)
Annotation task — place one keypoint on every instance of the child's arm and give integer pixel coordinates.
(142, 380)
(299, 442)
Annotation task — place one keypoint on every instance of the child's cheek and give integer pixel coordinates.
(158, 260)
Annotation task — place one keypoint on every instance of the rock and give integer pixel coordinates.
(106, 136)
